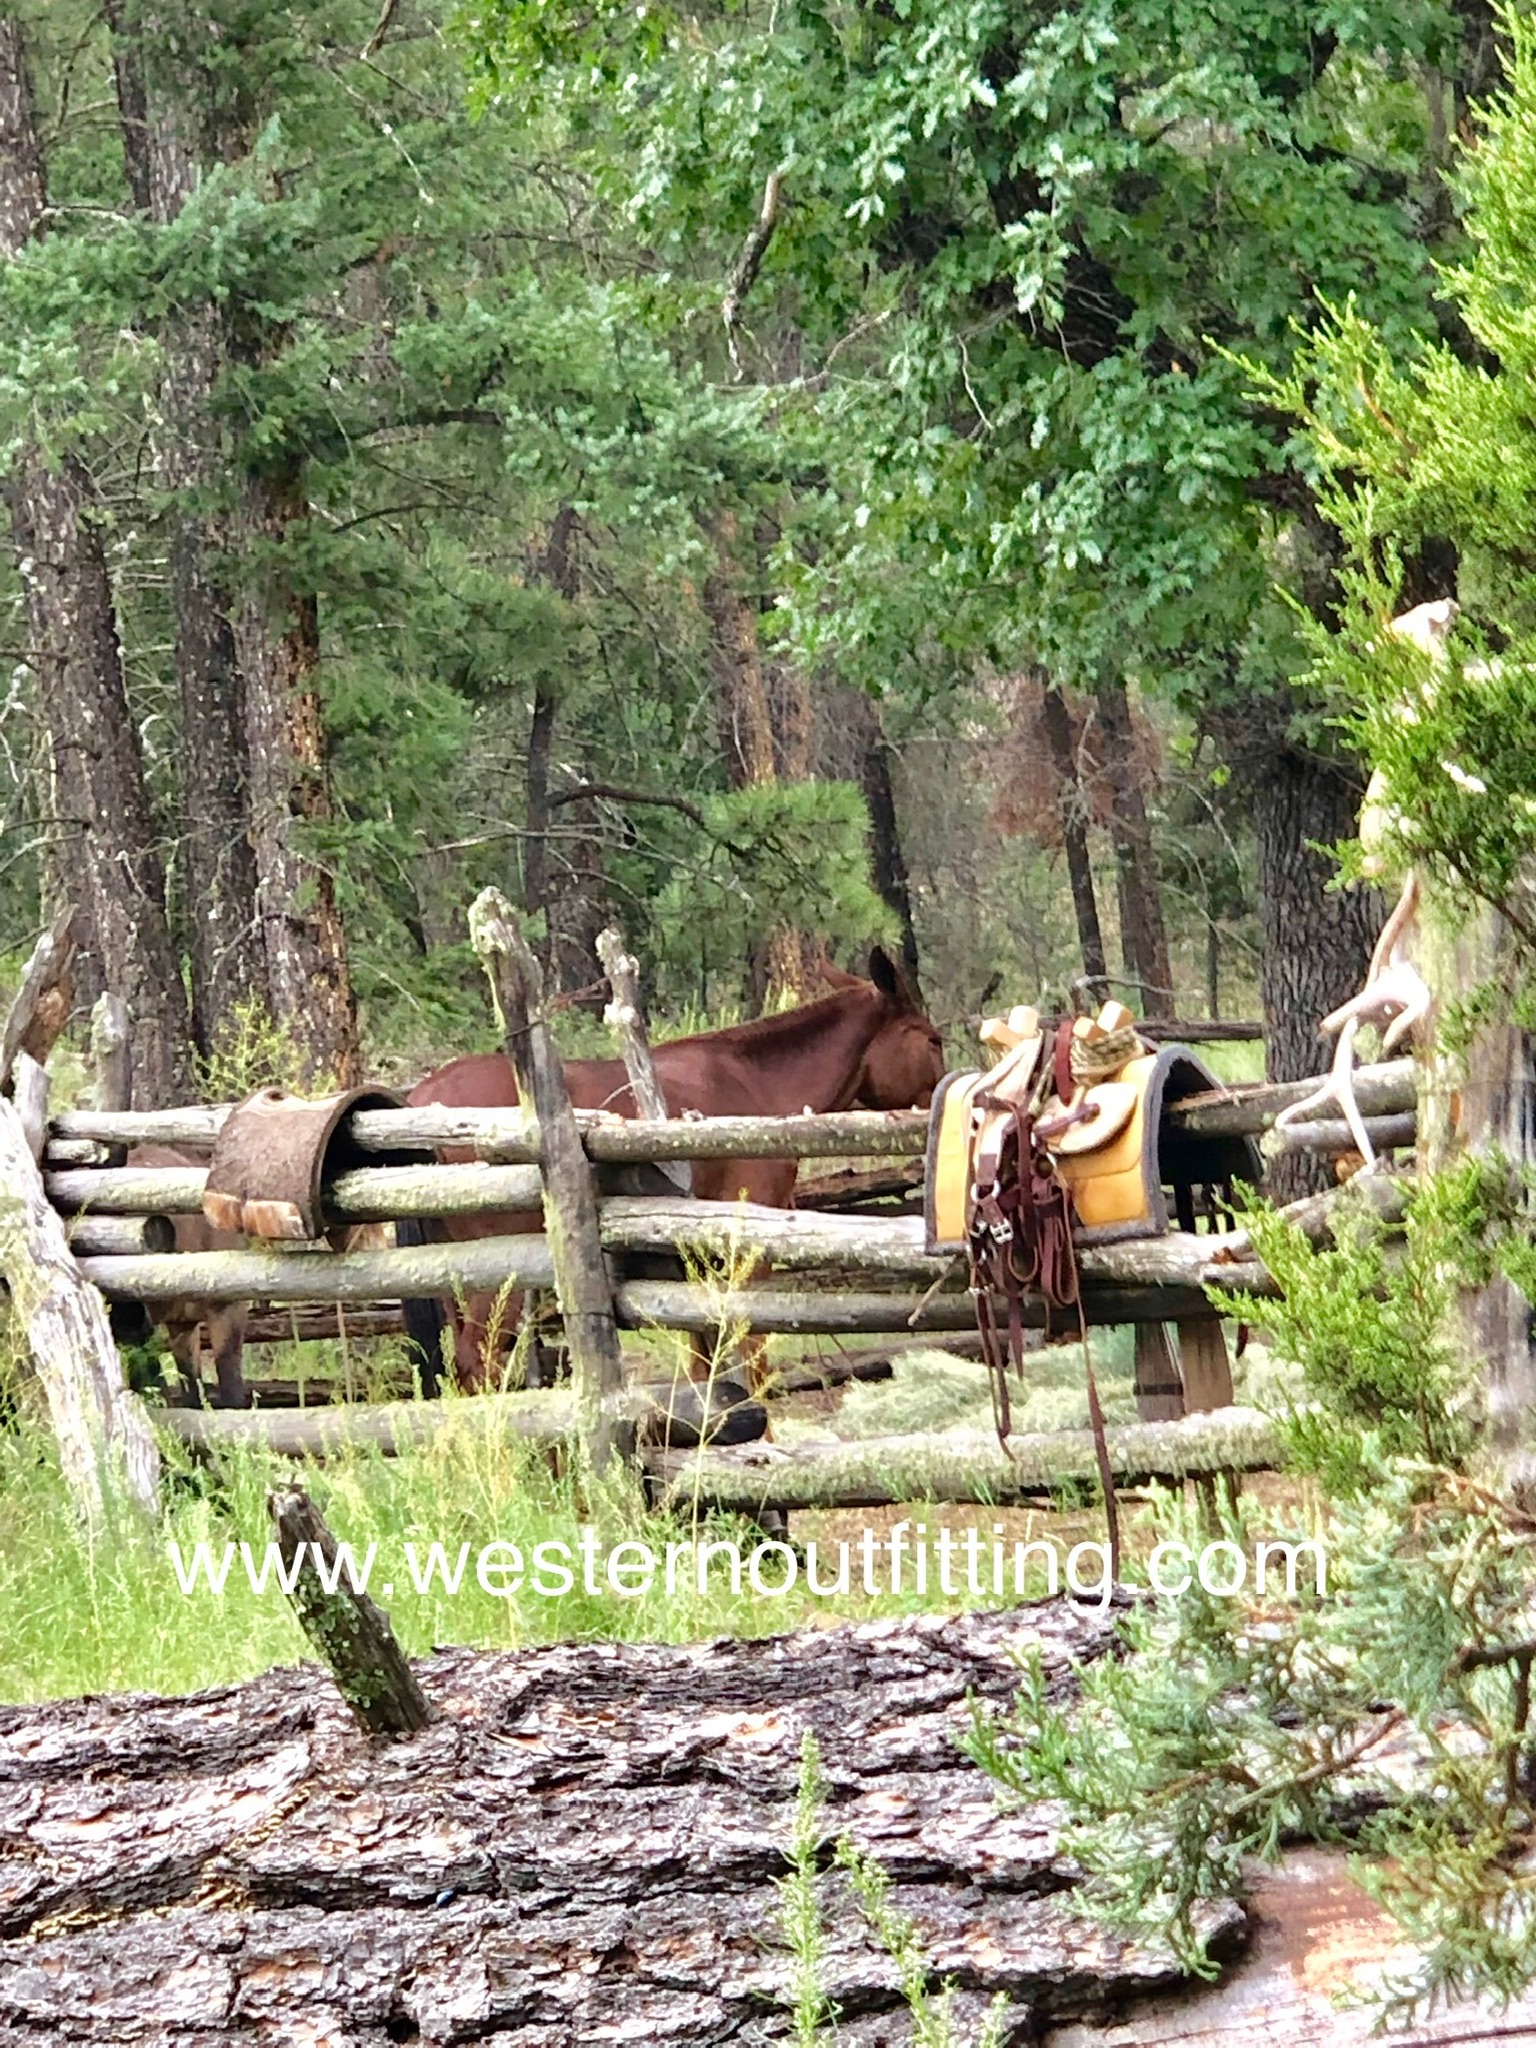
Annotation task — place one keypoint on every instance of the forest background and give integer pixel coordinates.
(782, 475)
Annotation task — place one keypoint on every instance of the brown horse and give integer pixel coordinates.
(866, 1045)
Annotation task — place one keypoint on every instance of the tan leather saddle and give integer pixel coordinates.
(1096, 1096)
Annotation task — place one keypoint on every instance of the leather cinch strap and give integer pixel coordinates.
(1020, 1243)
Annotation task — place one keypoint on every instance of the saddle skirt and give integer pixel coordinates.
(1108, 1140)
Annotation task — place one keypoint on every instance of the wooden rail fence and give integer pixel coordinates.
(598, 1255)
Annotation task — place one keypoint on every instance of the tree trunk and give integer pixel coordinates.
(575, 901)
(888, 863)
(1074, 838)
(747, 734)
(278, 638)
(1315, 941)
(223, 930)
(1481, 1103)
(1143, 933)
(218, 867)
(99, 768)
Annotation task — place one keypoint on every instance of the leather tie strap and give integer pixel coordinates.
(1062, 1061)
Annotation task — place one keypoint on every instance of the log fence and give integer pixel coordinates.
(618, 1262)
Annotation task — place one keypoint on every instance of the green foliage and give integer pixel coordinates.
(1366, 1318)
(775, 854)
(253, 1050)
(1010, 254)
(1434, 454)
(801, 1924)
(1234, 1725)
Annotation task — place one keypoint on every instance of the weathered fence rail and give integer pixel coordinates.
(506, 1138)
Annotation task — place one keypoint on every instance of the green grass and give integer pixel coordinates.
(105, 1612)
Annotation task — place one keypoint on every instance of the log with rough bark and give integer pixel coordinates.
(963, 1465)
(106, 1446)
(575, 1247)
(353, 1636)
(584, 1846)
(273, 1275)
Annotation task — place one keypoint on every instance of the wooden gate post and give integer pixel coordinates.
(1482, 1102)
(570, 1200)
(104, 1437)
(626, 1020)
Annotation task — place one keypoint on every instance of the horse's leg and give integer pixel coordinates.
(226, 1333)
(184, 1349)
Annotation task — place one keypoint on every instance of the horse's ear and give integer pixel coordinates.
(886, 975)
(895, 982)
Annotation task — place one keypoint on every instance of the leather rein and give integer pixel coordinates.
(1020, 1243)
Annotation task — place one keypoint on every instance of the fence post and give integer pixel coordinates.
(95, 1418)
(626, 1020)
(570, 1200)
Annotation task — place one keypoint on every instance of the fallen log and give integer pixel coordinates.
(964, 1465)
(585, 1845)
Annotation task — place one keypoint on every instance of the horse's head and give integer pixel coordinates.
(904, 1060)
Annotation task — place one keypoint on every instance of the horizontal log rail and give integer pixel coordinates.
(387, 1426)
(832, 1312)
(962, 1465)
(889, 1246)
(372, 1194)
(505, 1137)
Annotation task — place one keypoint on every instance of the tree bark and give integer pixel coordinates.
(585, 1845)
(99, 767)
(1143, 934)
(1074, 839)
(888, 863)
(745, 716)
(1315, 941)
(158, 106)
(278, 639)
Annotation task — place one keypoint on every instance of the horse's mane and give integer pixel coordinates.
(760, 1032)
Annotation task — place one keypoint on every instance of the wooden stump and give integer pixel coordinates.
(353, 1637)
